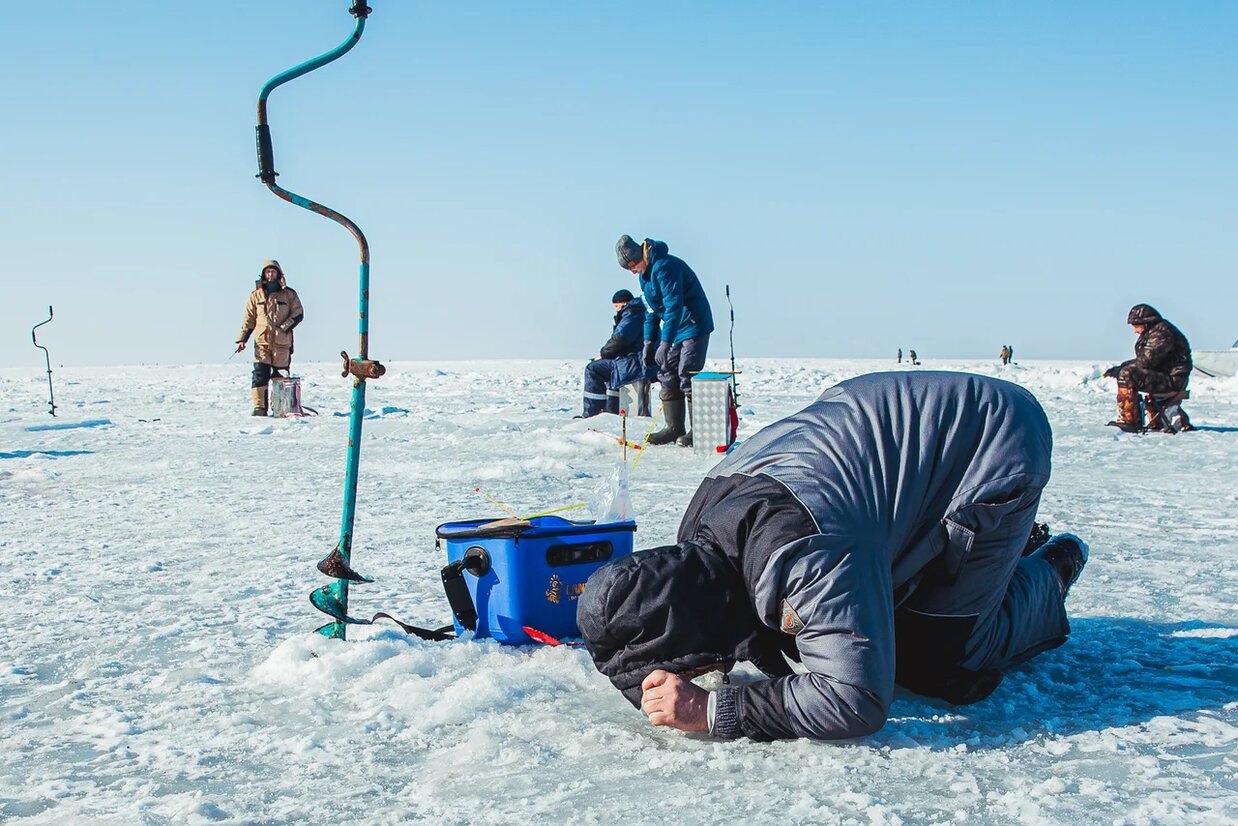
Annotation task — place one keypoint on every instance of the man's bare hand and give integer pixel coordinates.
(671, 700)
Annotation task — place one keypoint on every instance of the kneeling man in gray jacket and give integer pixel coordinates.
(879, 536)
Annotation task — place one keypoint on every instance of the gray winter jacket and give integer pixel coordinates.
(884, 480)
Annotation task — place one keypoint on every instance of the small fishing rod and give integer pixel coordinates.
(620, 440)
(731, 337)
(47, 357)
(333, 599)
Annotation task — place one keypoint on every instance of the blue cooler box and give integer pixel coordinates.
(533, 572)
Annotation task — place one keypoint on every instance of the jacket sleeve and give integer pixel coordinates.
(840, 599)
(653, 327)
(670, 283)
(626, 338)
(295, 311)
(652, 322)
(249, 319)
(614, 347)
(1159, 350)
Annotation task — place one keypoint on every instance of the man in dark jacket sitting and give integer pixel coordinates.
(619, 361)
(880, 535)
(1161, 367)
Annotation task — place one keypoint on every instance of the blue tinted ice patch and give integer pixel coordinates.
(370, 414)
(69, 425)
(26, 454)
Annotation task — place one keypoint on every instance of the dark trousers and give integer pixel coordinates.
(682, 360)
(1002, 608)
(263, 372)
(1147, 381)
(599, 396)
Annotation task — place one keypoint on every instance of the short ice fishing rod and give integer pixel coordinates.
(333, 599)
(47, 357)
(731, 337)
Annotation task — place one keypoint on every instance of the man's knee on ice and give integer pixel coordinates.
(928, 650)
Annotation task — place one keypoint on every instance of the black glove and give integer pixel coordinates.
(649, 353)
(664, 351)
(1112, 372)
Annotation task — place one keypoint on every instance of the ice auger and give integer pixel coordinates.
(332, 599)
(47, 357)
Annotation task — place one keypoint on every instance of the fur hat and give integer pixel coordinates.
(622, 297)
(628, 251)
(1143, 314)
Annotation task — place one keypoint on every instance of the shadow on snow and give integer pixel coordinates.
(1112, 672)
(40, 428)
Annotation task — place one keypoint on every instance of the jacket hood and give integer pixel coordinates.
(657, 249)
(271, 262)
(677, 607)
(1144, 314)
(635, 307)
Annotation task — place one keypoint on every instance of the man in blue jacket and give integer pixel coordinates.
(880, 535)
(677, 328)
(620, 359)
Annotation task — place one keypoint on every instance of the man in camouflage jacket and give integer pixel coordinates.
(1161, 366)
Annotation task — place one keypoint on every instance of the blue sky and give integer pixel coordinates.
(947, 177)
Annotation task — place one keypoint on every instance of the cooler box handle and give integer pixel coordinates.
(477, 562)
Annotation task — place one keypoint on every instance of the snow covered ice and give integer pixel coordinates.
(158, 665)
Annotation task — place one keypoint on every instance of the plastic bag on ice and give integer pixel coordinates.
(611, 501)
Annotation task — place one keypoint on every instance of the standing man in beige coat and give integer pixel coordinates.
(271, 313)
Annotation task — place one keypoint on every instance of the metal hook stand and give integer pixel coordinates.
(51, 397)
(332, 599)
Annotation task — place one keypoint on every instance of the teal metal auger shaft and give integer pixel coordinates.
(332, 599)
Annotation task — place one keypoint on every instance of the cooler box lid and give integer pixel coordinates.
(538, 526)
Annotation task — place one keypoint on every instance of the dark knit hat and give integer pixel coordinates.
(677, 607)
(628, 251)
(622, 297)
(1144, 314)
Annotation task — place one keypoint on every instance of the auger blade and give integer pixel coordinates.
(334, 566)
(334, 630)
(330, 604)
